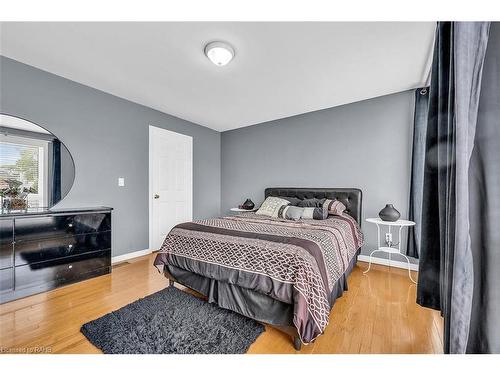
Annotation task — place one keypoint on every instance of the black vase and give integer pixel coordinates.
(248, 205)
(389, 213)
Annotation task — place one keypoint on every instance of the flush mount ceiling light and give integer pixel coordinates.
(219, 53)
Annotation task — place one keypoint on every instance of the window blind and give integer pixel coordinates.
(19, 167)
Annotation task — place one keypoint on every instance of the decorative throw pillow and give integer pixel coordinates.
(290, 212)
(316, 213)
(311, 202)
(293, 201)
(334, 207)
(271, 206)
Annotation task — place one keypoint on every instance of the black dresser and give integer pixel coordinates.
(44, 249)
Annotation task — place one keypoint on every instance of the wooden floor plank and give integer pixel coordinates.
(378, 314)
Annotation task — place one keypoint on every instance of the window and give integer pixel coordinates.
(23, 168)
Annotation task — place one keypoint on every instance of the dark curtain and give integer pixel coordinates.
(484, 206)
(56, 171)
(445, 279)
(438, 208)
(471, 41)
(417, 167)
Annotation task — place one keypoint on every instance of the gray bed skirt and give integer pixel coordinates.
(248, 302)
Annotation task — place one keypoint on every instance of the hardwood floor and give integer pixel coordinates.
(377, 315)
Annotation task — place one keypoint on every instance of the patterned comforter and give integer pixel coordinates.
(294, 262)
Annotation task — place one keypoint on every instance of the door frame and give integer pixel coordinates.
(152, 131)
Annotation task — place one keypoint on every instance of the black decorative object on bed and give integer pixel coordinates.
(282, 272)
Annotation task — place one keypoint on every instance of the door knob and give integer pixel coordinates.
(157, 196)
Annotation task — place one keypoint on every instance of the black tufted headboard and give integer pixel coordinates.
(351, 197)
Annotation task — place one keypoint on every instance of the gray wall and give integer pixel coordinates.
(365, 145)
(108, 138)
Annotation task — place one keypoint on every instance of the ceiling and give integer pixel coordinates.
(279, 70)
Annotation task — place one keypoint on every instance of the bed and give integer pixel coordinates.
(280, 272)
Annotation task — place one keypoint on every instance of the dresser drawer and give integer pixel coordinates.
(62, 271)
(6, 228)
(6, 238)
(6, 252)
(6, 280)
(35, 228)
(28, 252)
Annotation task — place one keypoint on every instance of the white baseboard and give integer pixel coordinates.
(385, 262)
(135, 254)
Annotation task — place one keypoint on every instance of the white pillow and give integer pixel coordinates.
(271, 206)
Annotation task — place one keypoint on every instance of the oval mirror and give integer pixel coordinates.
(36, 169)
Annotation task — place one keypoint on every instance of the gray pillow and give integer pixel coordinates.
(290, 212)
(316, 213)
(293, 201)
(312, 202)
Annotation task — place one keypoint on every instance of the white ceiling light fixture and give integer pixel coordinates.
(219, 53)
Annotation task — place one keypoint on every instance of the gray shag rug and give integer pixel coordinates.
(172, 322)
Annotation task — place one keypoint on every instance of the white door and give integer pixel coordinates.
(170, 182)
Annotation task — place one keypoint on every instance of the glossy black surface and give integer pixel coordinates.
(6, 280)
(29, 252)
(49, 285)
(6, 246)
(36, 228)
(44, 251)
(60, 271)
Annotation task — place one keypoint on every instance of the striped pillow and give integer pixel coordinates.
(316, 213)
(334, 207)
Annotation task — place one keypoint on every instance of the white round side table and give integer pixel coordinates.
(390, 249)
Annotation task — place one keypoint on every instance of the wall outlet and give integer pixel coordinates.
(388, 239)
(121, 181)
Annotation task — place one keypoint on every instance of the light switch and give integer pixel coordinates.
(121, 181)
